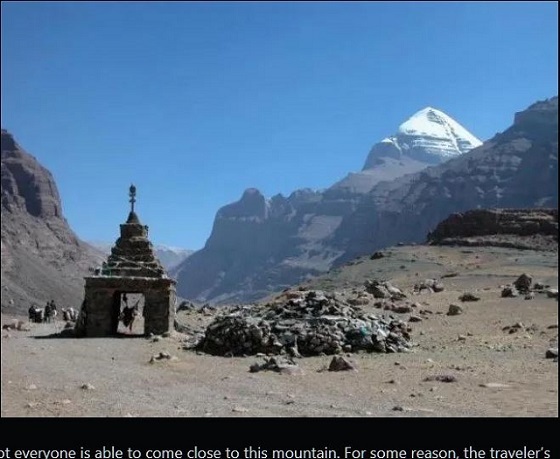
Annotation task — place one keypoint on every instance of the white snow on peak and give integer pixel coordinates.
(430, 122)
(428, 136)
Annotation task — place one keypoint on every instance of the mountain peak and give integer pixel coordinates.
(429, 136)
(434, 123)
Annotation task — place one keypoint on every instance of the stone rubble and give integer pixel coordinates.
(305, 323)
(277, 364)
(429, 285)
(524, 285)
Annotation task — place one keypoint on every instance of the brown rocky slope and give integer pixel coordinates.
(42, 258)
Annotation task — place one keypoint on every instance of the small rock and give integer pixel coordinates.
(339, 363)
(398, 408)
(441, 378)
(87, 386)
(552, 293)
(31, 387)
(509, 292)
(552, 353)
(438, 287)
(468, 296)
(523, 283)
(454, 310)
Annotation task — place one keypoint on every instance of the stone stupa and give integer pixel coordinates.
(131, 268)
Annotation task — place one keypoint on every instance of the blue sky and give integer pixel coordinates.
(194, 102)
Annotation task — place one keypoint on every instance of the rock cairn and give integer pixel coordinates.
(304, 323)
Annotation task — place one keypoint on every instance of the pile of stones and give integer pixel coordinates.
(524, 285)
(304, 323)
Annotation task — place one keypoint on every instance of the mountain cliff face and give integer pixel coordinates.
(42, 258)
(260, 245)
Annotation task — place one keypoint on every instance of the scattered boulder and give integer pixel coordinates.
(384, 289)
(468, 296)
(429, 285)
(377, 256)
(540, 286)
(523, 283)
(277, 364)
(162, 356)
(552, 293)
(552, 353)
(509, 291)
(402, 308)
(340, 363)
(454, 310)
(514, 328)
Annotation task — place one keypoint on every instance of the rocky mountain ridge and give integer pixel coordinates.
(259, 246)
(535, 229)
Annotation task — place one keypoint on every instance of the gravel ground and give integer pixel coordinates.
(494, 372)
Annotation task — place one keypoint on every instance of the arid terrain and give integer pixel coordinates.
(493, 355)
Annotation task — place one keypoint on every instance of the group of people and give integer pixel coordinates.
(50, 311)
(46, 314)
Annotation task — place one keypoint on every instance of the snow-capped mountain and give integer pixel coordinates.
(427, 138)
(258, 245)
(168, 256)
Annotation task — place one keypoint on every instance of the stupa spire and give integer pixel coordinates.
(132, 194)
